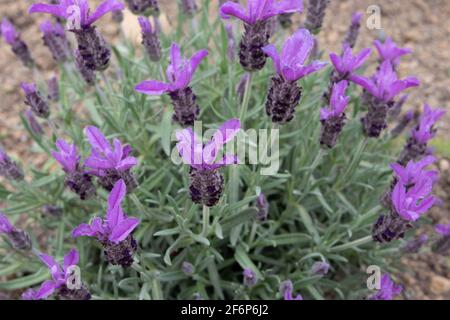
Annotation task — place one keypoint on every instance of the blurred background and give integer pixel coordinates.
(421, 25)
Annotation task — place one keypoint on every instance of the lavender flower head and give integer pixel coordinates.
(143, 7)
(61, 276)
(179, 72)
(35, 101)
(87, 74)
(110, 163)
(320, 268)
(333, 118)
(388, 289)
(383, 88)
(187, 268)
(19, 239)
(442, 245)
(286, 289)
(189, 7)
(12, 37)
(263, 207)
(250, 278)
(114, 232)
(353, 31)
(77, 179)
(91, 45)
(150, 39)
(257, 26)
(55, 39)
(416, 146)
(389, 51)
(33, 123)
(316, 14)
(205, 180)
(53, 89)
(284, 93)
(9, 168)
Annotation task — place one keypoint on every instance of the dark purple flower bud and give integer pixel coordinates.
(114, 232)
(231, 51)
(92, 48)
(19, 239)
(150, 39)
(320, 268)
(189, 7)
(257, 22)
(55, 39)
(8, 168)
(388, 289)
(35, 100)
(315, 15)
(33, 122)
(285, 20)
(397, 107)
(117, 16)
(197, 296)
(187, 268)
(402, 124)
(110, 163)
(250, 278)
(64, 293)
(282, 99)
(333, 118)
(76, 178)
(286, 289)
(442, 245)
(52, 211)
(12, 37)
(240, 87)
(375, 120)
(414, 245)
(416, 146)
(53, 89)
(205, 180)
(87, 74)
(180, 73)
(390, 227)
(143, 7)
(263, 207)
(353, 31)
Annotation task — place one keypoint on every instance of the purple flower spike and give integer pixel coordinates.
(316, 14)
(143, 7)
(257, 27)
(416, 146)
(205, 180)
(348, 64)
(150, 39)
(286, 289)
(250, 278)
(189, 7)
(53, 89)
(180, 73)
(353, 31)
(12, 37)
(61, 275)
(263, 207)
(110, 163)
(333, 118)
(231, 51)
(442, 245)
(389, 51)
(87, 74)
(8, 168)
(284, 92)
(33, 123)
(320, 268)
(114, 232)
(55, 39)
(35, 101)
(19, 239)
(388, 289)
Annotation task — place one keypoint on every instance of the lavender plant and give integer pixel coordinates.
(204, 221)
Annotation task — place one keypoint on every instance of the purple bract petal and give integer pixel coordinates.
(123, 229)
(5, 225)
(8, 31)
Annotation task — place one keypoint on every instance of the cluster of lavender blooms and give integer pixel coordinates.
(9, 169)
(18, 46)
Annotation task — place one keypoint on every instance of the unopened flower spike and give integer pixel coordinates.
(250, 278)
(180, 73)
(189, 7)
(353, 31)
(76, 179)
(388, 290)
(286, 289)
(315, 15)
(35, 101)
(382, 88)
(333, 117)
(33, 123)
(91, 45)
(205, 180)
(113, 232)
(389, 51)
(442, 245)
(9, 168)
(19, 239)
(53, 89)
(54, 38)
(415, 244)
(320, 268)
(284, 92)
(110, 163)
(262, 205)
(144, 7)
(62, 282)
(87, 74)
(150, 39)
(256, 18)
(231, 50)
(417, 144)
(12, 37)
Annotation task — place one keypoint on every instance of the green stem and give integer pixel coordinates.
(313, 167)
(352, 244)
(205, 221)
(246, 99)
